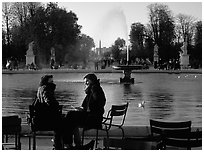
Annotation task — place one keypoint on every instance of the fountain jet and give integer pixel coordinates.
(127, 69)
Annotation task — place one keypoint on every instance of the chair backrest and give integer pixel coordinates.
(118, 111)
(171, 133)
(185, 140)
(41, 122)
(195, 139)
(11, 124)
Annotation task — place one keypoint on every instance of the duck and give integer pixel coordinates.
(142, 104)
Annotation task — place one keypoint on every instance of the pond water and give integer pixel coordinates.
(168, 97)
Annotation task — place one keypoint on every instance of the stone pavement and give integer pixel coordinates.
(45, 142)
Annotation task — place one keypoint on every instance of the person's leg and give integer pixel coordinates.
(71, 122)
(58, 143)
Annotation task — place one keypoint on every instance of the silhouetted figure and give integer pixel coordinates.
(47, 108)
(89, 114)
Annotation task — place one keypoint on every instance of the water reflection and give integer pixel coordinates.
(132, 92)
(167, 96)
(163, 101)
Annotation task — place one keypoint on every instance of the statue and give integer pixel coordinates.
(155, 50)
(184, 48)
(30, 57)
(156, 56)
(30, 49)
(184, 57)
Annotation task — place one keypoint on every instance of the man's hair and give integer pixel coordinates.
(92, 77)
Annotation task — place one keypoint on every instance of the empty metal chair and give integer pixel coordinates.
(118, 111)
(195, 139)
(187, 140)
(11, 125)
(170, 133)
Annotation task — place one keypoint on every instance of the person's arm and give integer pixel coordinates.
(48, 96)
(98, 97)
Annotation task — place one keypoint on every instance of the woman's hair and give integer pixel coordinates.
(91, 77)
(44, 79)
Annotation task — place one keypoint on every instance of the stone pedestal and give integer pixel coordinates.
(127, 70)
(127, 77)
(30, 60)
(184, 61)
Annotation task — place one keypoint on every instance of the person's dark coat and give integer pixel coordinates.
(48, 109)
(96, 100)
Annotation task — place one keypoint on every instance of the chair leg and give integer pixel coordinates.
(82, 141)
(16, 142)
(96, 138)
(6, 138)
(19, 141)
(107, 139)
(122, 132)
(34, 141)
(29, 142)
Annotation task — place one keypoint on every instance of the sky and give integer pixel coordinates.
(106, 21)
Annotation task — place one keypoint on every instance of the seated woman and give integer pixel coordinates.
(47, 108)
(89, 114)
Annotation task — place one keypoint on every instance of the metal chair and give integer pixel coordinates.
(11, 125)
(175, 134)
(195, 139)
(43, 125)
(185, 140)
(118, 111)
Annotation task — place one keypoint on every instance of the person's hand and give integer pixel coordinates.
(79, 108)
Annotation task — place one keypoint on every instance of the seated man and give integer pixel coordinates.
(89, 114)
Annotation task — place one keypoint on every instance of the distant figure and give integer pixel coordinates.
(15, 64)
(8, 64)
(89, 114)
(52, 64)
(96, 65)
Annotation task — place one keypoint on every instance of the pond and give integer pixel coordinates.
(169, 97)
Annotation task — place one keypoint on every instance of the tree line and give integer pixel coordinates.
(49, 26)
(168, 32)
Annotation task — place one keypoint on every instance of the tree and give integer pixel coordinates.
(196, 52)
(85, 44)
(61, 29)
(137, 38)
(16, 18)
(186, 26)
(81, 51)
(117, 48)
(48, 27)
(162, 24)
(7, 21)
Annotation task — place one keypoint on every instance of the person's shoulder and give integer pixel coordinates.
(96, 88)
